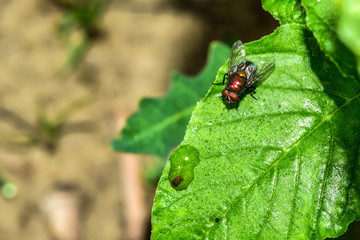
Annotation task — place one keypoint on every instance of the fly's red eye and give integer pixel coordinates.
(225, 93)
(234, 97)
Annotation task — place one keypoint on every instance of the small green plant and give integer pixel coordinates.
(285, 166)
(79, 27)
(47, 131)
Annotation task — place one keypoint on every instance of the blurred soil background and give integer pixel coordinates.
(60, 106)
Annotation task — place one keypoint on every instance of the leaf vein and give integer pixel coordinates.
(323, 182)
(164, 123)
(296, 188)
(281, 114)
(269, 210)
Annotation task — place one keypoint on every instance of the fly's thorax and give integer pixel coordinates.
(241, 73)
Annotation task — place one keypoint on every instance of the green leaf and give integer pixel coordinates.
(322, 19)
(160, 124)
(76, 53)
(283, 167)
(285, 11)
(349, 27)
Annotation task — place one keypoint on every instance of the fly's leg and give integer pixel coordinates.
(237, 106)
(252, 90)
(222, 81)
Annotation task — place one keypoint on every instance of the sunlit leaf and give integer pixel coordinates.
(285, 11)
(283, 167)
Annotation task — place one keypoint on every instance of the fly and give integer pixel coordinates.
(241, 75)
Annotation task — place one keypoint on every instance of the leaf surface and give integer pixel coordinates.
(160, 124)
(322, 19)
(283, 167)
(285, 11)
(349, 27)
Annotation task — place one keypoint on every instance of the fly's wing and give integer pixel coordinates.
(264, 71)
(237, 55)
